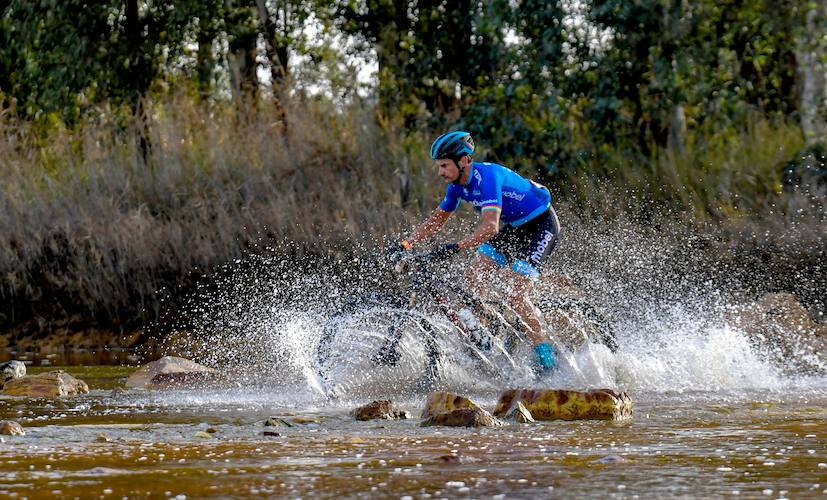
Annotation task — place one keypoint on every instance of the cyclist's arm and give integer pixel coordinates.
(491, 189)
(489, 226)
(428, 228)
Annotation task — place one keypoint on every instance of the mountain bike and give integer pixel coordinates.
(432, 317)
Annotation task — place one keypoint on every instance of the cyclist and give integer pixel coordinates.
(518, 226)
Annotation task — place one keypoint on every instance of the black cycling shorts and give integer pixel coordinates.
(526, 246)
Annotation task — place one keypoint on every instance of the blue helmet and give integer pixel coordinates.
(452, 145)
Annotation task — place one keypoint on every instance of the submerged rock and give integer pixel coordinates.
(277, 422)
(610, 459)
(50, 384)
(383, 409)
(306, 420)
(778, 321)
(558, 404)
(463, 417)
(171, 371)
(10, 370)
(443, 402)
(11, 428)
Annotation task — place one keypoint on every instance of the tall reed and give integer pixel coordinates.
(87, 227)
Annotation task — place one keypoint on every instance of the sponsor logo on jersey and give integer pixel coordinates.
(484, 202)
(513, 195)
(478, 176)
(541, 248)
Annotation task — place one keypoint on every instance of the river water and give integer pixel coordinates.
(768, 441)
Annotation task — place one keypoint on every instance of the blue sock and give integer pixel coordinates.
(546, 357)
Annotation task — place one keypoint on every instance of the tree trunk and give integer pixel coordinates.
(277, 52)
(136, 76)
(677, 130)
(241, 56)
(205, 59)
(809, 54)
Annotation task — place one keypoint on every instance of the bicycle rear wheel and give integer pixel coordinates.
(579, 320)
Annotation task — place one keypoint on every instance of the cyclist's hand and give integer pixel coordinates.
(444, 252)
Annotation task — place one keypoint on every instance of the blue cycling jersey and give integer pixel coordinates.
(494, 186)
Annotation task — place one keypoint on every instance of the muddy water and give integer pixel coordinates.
(142, 443)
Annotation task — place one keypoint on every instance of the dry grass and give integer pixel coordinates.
(88, 229)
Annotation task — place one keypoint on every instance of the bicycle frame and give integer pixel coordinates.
(435, 286)
(447, 296)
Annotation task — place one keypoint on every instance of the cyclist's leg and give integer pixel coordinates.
(518, 299)
(531, 248)
(481, 272)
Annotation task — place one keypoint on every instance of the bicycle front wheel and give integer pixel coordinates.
(377, 351)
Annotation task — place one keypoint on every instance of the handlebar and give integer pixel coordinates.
(410, 259)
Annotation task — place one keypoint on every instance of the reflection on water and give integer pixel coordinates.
(104, 356)
(145, 443)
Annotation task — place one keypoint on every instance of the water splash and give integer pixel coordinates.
(266, 321)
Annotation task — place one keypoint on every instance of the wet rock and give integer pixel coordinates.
(171, 371)
(463, 417)
(779, 322)
(558, 404)
(382, 409)
(271, 433)
(11, 428)
(277, 422)
(50, 384)
(519, 413)
(610, 459)
(453, 410)
(117, 392)
(211, 430)
(11, 370)
(103, 438)
(455, 458)
(203, 435)
(443, 402)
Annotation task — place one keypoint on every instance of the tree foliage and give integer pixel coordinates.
(542, 83)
